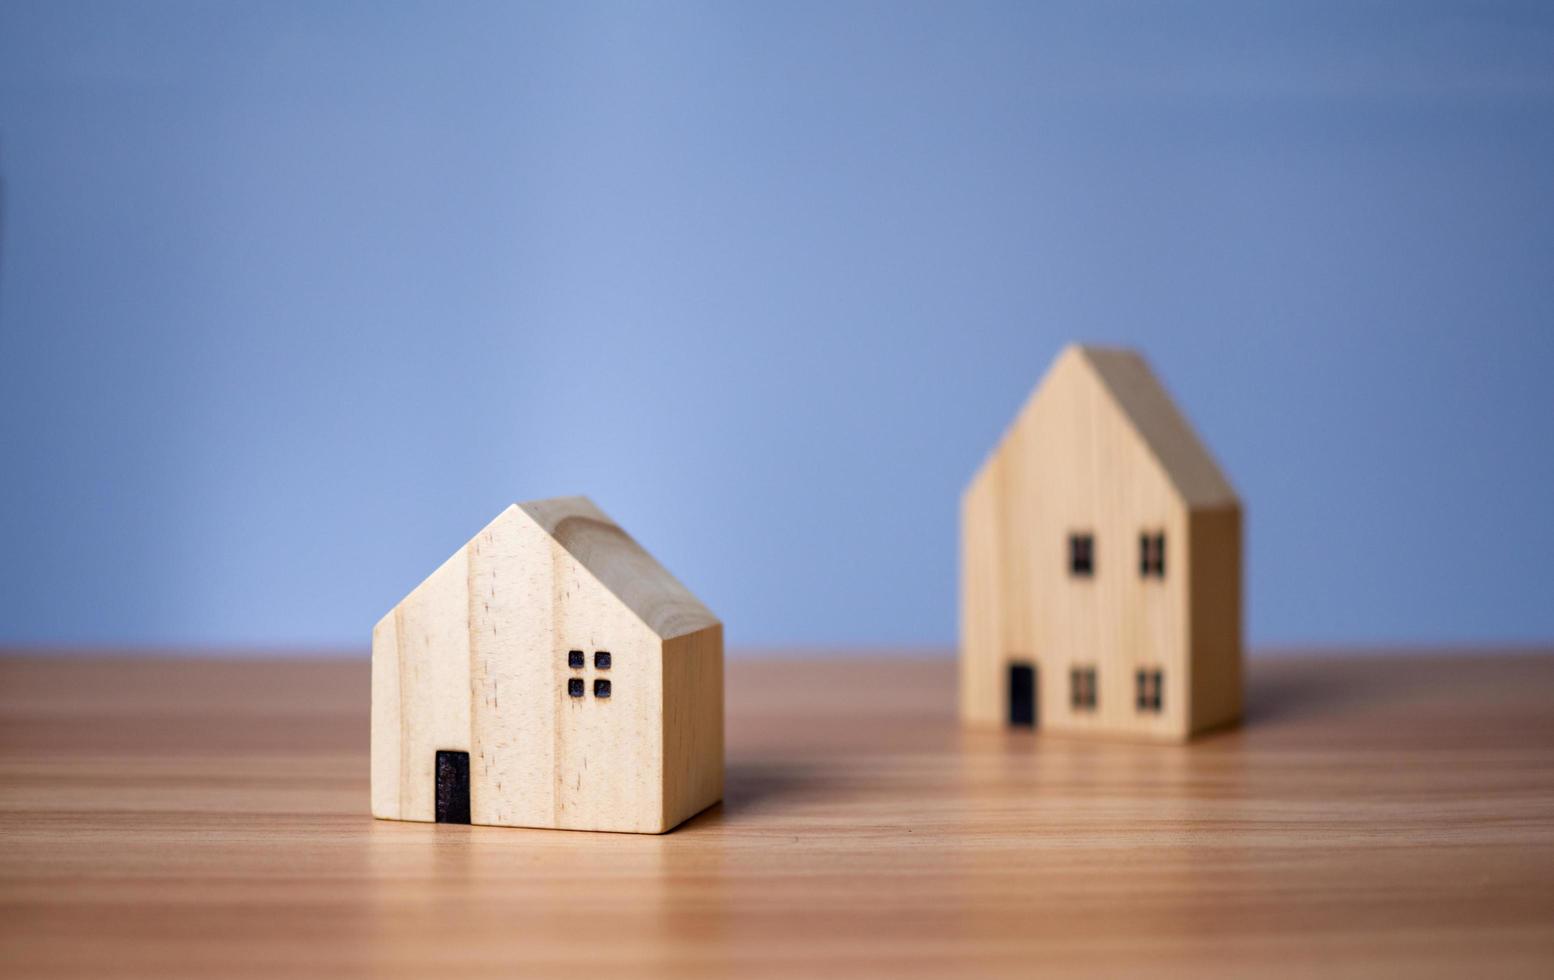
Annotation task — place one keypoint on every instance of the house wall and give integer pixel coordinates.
(1214, 619)
(420, 692)
(477, 656)
(1073, 462)
(693, 723)
(981, 604)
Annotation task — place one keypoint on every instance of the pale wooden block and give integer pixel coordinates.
(476, 659)
(385, 723)
(693, 723)
(1215, 617)
(981, 680)
(433, 664)
(1100, 449)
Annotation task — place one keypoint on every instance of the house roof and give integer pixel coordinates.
(1143, 401)
(1167, 433)
(620, 564)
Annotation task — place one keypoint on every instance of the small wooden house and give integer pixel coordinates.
(549, 674)
(1101, 564)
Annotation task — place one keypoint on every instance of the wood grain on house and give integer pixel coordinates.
(583, 681)
(1100, 452)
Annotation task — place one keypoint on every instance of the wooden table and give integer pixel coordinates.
(1383, 815)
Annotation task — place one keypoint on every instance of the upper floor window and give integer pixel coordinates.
(1081, 555)
(1152, 555)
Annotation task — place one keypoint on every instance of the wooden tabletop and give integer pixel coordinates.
(1377, 815)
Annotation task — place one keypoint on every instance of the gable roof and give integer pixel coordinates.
(1142, 400)
(620, 564)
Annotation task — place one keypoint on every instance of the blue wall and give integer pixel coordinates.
(295, 297)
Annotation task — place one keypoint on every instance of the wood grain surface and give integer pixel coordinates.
(1385, 815)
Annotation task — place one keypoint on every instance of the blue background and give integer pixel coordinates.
(295, 297)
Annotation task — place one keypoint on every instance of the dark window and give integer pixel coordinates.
(575, 659)
(601, 688)
(1082, 688)
(575, 687)
(1022, 695)
(1152, 555)
(1148, 689)
(602, 659)
(1081, 554)
(452, 775)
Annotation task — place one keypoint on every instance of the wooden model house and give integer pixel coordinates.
(549, 674)
(1101, 564)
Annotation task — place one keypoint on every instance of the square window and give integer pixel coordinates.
(602, 659)
(1082, 688)
(1148, 686)
(1081, 554)
(601, 688)
(575, 659)
(575, 687)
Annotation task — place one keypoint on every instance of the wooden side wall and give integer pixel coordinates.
(1215, 627)
(693, 724)
(981, 616)
(420, 686)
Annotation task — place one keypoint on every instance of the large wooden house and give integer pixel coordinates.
(1101, 564)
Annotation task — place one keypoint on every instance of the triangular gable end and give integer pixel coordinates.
(1143, 402)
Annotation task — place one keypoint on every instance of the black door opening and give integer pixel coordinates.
(1022, 695)
(452, 787)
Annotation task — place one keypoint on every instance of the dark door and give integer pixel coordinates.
(1022, 695)
(452, 787)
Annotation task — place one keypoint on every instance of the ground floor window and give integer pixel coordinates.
(1148, 688)
(1081, 683)
(1081, 555)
